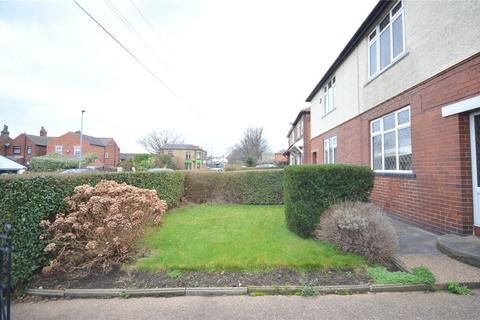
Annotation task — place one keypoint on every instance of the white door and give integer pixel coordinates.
(475, 147)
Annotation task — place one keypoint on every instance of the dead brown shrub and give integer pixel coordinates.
(360, 228)
(101, 227)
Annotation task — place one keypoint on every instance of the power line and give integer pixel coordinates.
(125, 48)
(127, 23)
(146, 20)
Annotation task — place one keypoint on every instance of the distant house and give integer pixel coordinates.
(280, 157)
(68, 145)
(186, 156)
(10, 166)
(25, 146)
(299, 150)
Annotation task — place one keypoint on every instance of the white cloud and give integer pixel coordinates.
(233, 64)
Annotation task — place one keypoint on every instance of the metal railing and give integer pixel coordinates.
(5, 272)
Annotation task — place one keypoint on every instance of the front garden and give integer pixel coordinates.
(114, 232)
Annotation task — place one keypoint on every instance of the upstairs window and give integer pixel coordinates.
(330, 150)
(170, 153)
(392, 142)
(187, 155)
(17, 150)
(386, 42)
(107, 155)
(59, 149)
(329, 96)
(29, 150)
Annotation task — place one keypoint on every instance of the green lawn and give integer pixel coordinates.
(236, 237)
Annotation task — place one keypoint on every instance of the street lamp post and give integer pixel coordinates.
(81, 141)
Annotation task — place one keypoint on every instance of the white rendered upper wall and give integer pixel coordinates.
(437, 36)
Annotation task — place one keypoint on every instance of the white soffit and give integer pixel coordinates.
(461, 106)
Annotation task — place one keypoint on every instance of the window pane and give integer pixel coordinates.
(377, 152)
(372, 35)
(404, 117)
(385, 48)
(396, 8)
(334, 155)
(384, 22)
(405, 149)
(389, 122)
(373, 58)
(397, 31)
(376, 126)
(390, 151)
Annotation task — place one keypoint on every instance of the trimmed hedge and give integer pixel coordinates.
(242, 187)
(54, 162)
(25, 201)
(311, 189)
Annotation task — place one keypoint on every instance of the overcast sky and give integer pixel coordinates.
(231, 65)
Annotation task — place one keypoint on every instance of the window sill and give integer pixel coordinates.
(326, 114)
(407, 175)
(400, 57)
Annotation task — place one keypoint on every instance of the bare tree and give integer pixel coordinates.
(156, 140)
(252, 146)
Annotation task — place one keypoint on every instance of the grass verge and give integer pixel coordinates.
(419, 275)
(236, 237)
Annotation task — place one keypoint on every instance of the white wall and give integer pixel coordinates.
(437, 36)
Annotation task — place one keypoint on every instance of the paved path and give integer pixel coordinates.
(415, 305)
(417, 247)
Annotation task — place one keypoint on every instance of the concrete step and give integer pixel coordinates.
(464, 249)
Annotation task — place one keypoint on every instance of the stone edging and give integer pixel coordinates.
(223, 291)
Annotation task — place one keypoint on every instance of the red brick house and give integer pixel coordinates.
(403, 97)
(25, 146)
(299, 143)
(68, 145)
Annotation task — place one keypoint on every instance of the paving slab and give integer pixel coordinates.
(465, 249)
(417, 247)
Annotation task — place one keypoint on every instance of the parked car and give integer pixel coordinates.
(159, 170)
(77, 171)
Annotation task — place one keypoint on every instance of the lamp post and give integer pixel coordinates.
(81, 141)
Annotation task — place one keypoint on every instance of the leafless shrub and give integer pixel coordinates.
(101, 227)
(360, 228)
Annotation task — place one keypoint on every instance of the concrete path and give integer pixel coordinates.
(417, 247)
(416, 305)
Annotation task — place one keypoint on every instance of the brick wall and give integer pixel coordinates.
(307, 143)
(68, 142)
(24, 142)
(439, 195)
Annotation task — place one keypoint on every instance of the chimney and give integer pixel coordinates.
(43, 132)
(5, 132)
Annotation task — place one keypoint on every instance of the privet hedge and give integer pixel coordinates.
(25, 201)
(311, 189)
(243, 187)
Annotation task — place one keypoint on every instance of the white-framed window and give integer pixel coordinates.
(17, 150)
(391, 142)
(29, 150)
(198, 155)
(107, 155)
(59, 149)
(386, 42)
(187, 155)
(330, 150)
(76, 151)
(329, 96)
